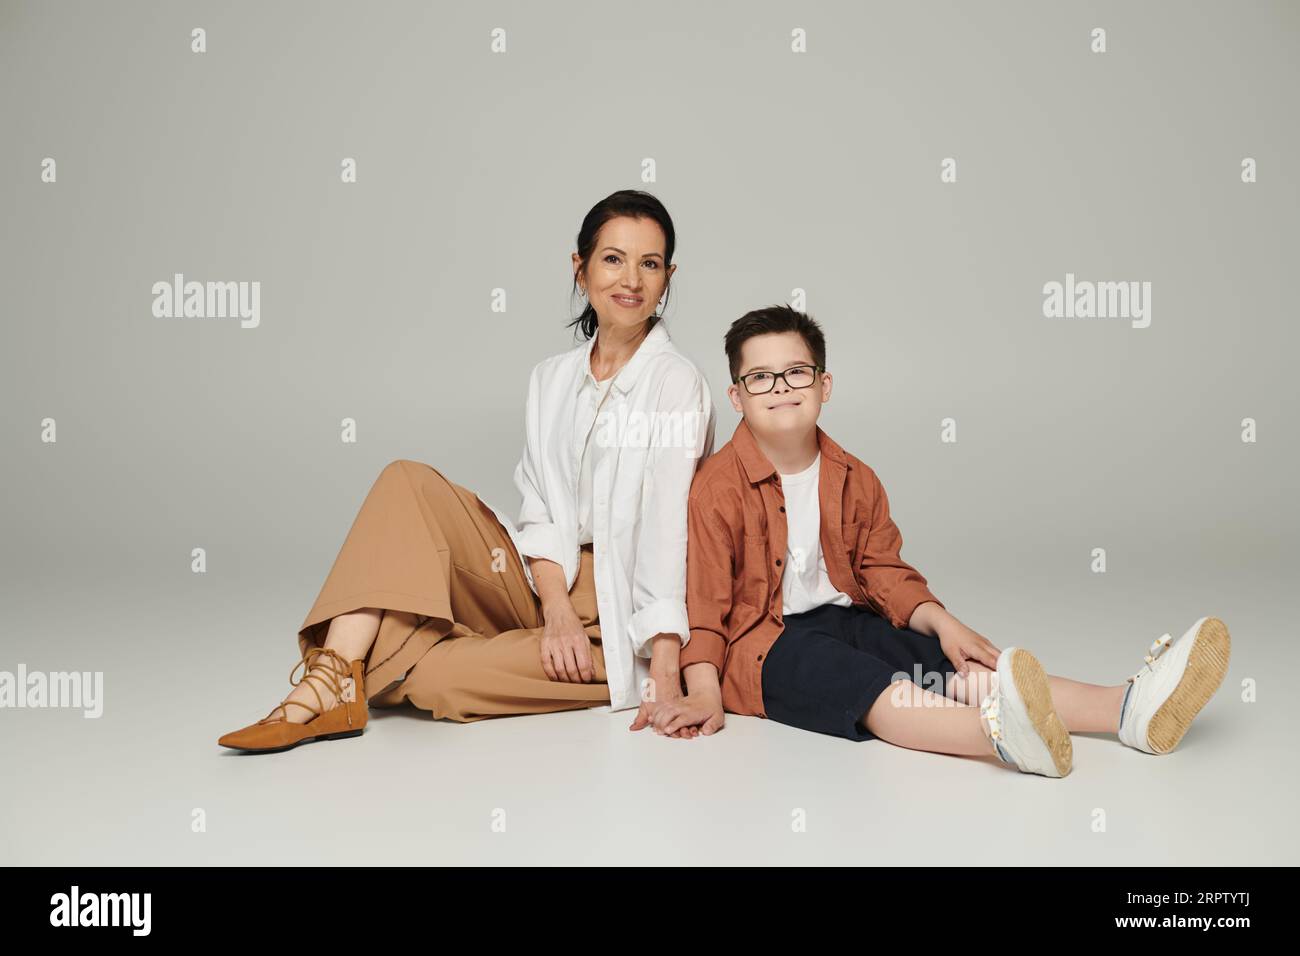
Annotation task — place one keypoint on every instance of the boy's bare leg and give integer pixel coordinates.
(350, 635)
(1083, 708)
(908, 716)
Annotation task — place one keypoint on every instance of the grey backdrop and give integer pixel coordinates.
(817, 171)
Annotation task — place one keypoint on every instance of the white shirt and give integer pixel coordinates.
(593, 392)
(805, 583)
(656, 426)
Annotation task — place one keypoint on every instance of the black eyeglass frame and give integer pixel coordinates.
(741, 379)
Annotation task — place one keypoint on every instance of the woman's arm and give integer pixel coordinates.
(539, 536)
(565, 647)
(659, 575)
(659, 624)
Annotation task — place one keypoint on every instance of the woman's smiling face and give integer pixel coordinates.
(625, 277)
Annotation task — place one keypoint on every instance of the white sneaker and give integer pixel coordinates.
(1173, 685)
(1023, 725)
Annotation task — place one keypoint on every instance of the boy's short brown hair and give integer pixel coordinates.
(774, 318)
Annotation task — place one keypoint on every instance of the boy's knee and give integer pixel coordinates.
(973, 686)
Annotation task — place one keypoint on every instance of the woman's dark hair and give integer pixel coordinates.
(625, 202)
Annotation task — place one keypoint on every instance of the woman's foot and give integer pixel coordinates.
(1176, 681)
(329, 702)
(1020, 720)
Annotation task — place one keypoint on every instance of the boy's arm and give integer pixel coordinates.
(709, 564)
(930, 618)
(894, 588)
(702, 679)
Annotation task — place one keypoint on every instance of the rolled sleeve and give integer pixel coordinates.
(537, 534)
(662, 617)
(893, 587)
(659, 575)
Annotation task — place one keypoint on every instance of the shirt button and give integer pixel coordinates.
(783, 509)
(760, 657)
(778, 562)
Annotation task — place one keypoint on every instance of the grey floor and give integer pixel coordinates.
(579, 788)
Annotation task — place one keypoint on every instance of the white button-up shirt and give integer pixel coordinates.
(655, 427)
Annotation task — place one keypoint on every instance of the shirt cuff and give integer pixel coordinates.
(903, 601)
(706, 647)
(664, 616)
(543, 541)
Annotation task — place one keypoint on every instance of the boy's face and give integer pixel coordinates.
(784, 412)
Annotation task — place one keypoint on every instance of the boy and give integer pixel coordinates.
(802, 609)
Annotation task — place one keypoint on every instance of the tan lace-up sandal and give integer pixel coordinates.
(346, 718)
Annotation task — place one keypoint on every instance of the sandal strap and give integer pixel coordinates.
(319, 664)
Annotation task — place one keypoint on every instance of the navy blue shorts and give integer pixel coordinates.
(830, 665)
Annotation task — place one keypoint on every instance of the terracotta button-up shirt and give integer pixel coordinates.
(736, 544)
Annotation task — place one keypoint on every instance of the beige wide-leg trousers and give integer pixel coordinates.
(461, 629)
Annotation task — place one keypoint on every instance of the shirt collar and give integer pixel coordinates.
(757, 465)
(656, 340)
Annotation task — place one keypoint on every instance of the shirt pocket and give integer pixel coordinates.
(753, 586)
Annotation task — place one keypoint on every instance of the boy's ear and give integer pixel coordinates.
(733, 393)
(826, 387)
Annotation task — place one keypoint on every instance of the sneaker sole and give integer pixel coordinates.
(1036, 694)
(296, 743)
(1207, 663)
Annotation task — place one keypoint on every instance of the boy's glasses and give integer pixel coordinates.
(797, 376)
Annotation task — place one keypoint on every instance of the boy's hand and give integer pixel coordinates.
(647, 713)
(697, 713)
(961, 644)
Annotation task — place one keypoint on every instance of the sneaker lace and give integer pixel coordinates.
(989, 711)
(320, 664)
(1158, 647)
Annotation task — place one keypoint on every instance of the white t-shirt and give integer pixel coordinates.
(594, 392)
(804, 582)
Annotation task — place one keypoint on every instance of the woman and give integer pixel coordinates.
(438, 599)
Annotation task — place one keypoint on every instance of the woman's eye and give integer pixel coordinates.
(610, 257)
(651, 263)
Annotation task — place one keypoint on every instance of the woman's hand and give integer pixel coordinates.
(566, 648)
(961, 644)
(665, 680)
